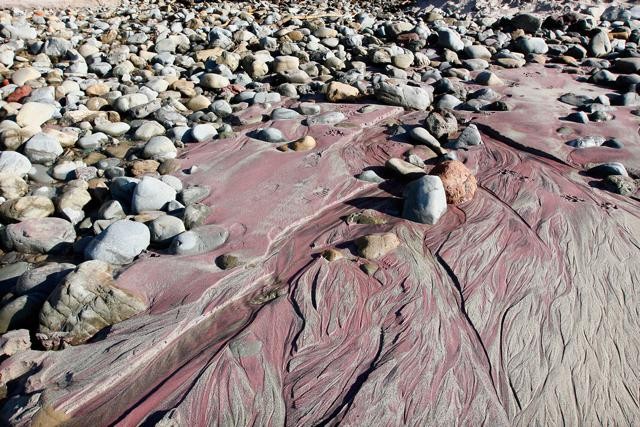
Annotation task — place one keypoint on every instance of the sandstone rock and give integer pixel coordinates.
(459, 184)
(87, 301)
(27, 207)
(340, 92)
(375, 246)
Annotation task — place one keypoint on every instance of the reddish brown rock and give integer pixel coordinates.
(19, 94)
(459, 183)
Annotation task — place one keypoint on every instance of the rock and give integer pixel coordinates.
(285, 63)
(12, 186)
(425, 200)
(112, 129)
(194, 194)
(477, 52)
(441, 125)
(12, 163)
(19, 94)
(195, 215)
(87, 301)
(328, 118)
(526, 22)
(340, 92)
(213, 81)
(450, 39)
(39, 236)
(401, 167)
(25, 74)
(627, 65)
(370, 176)
(374, 246)
(35, 114)
(227, 261)
(587, 141)
(621, 184)
(41, 281)
(469, 137)
(422, 136)
(198, 102)
(27, 207)
(148, 130)
(163, 229)
(93, 141)
(160, 148)
(111, 209)
(127, 102)
(404, 96)
(199, 240)
(532, 45)
(72, 202)
(151, 194)
(576, 100)
(203, 132)
(303, 144)
(487, 78)
(270, 135)
(13, 342)
(119, 243)
(599, 45)
(144, 167)
(42, 148)
(606, 169)
(459, 184)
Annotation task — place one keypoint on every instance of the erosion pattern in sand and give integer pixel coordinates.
(518, 307)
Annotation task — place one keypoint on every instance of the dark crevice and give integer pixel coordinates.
(496, 135)
(355, 387)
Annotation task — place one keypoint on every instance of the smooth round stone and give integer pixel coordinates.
(148, 130)
(65, 170)
(198, 102)
(42, 148)
(606, 169)
(23, 75)
(214, 81)
(199, 240)
(39, 236)
(270, 135)
(35, 114)
(112, 129)
(477, 51)
(203, 132)
(119, 243)
(173, 181)
(14, 163)
(111, 209)
(165, 228)
(284, 114)
(448, 102)
(267, 98)
(221, 108)
(151, 194)
(328, 118)
(160, 148)
(130, 101)
(450, 39)
(93, 141)
(533, 45)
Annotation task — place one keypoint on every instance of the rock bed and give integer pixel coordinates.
(99, 113)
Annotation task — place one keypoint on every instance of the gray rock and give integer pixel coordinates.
(370, 176)
(151, 194)
(199, 240)
(270, 135)
(599, 45)
(13, 163)
(195, 215)
(194, 194)
(203, 132)
(450, 39)
(469, 137)
(160, 148)
(404, 96)
(532, 45)
(164, 228)
(42, 148)
(119, 243)
(425, 200)
(587, 141)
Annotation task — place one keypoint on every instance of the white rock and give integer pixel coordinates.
(119, 243)
(151, 194)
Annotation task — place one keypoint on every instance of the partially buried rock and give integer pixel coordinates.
(425, 200)
(86, 301)
(606, 169)
(199, 240)
(332, 254)
(375, 246)
(305, 143)
(119, 243)
(227, 261)
(620, 184)
(458, 181)
(39, 236)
